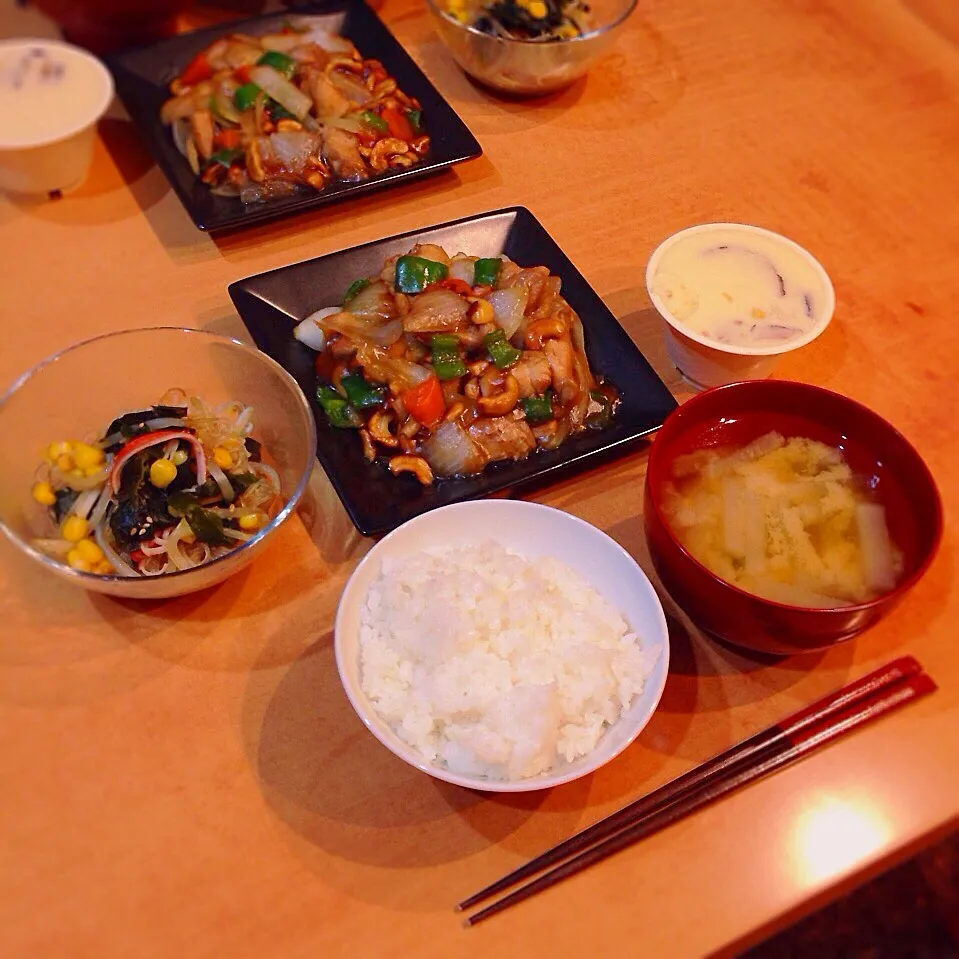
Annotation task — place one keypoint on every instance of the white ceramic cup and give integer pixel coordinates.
(705, 362)
(51, 96)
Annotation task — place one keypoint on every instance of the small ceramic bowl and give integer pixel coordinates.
(530, 67)
(532, 531)
(705, 361)
(77, 392)
(740, 412)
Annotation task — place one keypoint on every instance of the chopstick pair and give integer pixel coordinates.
(862, 701)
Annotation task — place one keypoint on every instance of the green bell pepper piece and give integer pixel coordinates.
(486, 271)
(279, 61)
(338, 411)
(226, 157)
(415, 273)
(360, 393)
(245, 96)
(416, 120)
(355, 287)
(375, 121)
(500, 351)
(538, 409)
(277, 111)
(445, 356)
(599, 413)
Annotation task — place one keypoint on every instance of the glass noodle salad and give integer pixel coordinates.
(162, 489)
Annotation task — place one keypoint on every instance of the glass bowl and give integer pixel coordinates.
(530, 67)
(79, 391)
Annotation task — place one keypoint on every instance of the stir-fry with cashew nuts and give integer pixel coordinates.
(260, 117)
(162, 490)
(446, 364)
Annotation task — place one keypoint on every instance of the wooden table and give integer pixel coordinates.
(187, 779)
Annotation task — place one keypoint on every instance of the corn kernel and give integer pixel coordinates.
(88, 550)
(537, 9)
(757, 313)
(162, 473)
(93, 470)
(74, 528)
(43, 493)
(59, 449)
(179, 457)
(85, 456)
(567, 31)
(250, 522)
(77, 562)
(65, 462)
(104, 568)
(483, 312)
(222, 458)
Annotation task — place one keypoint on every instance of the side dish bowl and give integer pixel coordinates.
(738, 413)
(532, 531)
(530, 67)
(78, 391)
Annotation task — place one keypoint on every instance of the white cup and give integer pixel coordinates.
(51, 96)
(704, 361)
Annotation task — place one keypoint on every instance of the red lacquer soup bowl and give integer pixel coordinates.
(734, 415)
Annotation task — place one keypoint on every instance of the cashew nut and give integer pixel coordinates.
(369, 450)
(472, 388)
(379, 427)
(254, 162)
(385, 149)
(384, 88)
(420, 145)
(404, 160)
(344, 63)
(415, 465)
(455, 410)
(477, 367)
(502, 402)
(410, 428)
(287, 125)
(540, 330)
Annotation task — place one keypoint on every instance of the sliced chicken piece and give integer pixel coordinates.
(201, 125)
(341, 150)
(328, 100)
(533, 281)
(502, 437)
(532, 373)
(559, 354)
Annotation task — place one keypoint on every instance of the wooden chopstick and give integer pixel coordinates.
(862, 701)
(679, 788)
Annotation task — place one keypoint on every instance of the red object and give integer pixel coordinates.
(398, 123)
(227, 139)
(456, 286)
(156, 438)
(242, 73)
(197, 70)
(740, 412)
(425, 402)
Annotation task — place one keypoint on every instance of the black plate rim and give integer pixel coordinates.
(468, 147)
(492, 484)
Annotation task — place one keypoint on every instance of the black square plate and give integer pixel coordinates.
(272, 303)
(142, 77)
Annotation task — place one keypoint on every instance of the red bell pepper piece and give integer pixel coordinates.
(398, 123)
(228, 139)
(197, 70)
(456, 286)
(424, 402)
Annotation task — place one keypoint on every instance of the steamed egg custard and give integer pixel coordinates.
(744, 289)
(786, 520)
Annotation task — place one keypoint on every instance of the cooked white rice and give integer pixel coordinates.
(493, 665)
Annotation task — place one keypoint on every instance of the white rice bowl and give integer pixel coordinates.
(501, 645)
